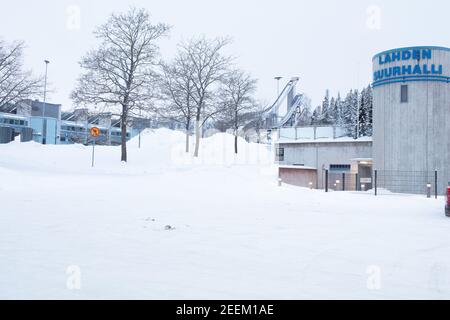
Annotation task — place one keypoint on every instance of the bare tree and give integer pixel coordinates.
(237, 94)
(303, 112)
(209, 67)
(120, 72)
(15, 83)
(177, 90)
(257, 119)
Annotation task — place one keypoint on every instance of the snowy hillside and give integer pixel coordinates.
(160, 149)
(166, 225)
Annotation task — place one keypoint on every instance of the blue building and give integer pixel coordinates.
(13, 124)
(45, 121)
(75, 128)
(47, 124)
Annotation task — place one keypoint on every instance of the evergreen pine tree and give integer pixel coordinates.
(350, 110)
(332, 112)
(365, 113)
(369, 107)
(362, 114)
(339, 117)
(316, 116)
(325, 114)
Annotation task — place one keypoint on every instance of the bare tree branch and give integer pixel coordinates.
(237, 97)
(15, 83)
(119, 74)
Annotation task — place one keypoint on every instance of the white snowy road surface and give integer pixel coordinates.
(68, 231)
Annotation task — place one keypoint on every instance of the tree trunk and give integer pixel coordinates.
(197, 136)
(187, 140)
(236, 128)
(124, 135)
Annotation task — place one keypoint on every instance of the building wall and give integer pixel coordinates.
(47, 110)
(321, 155)
(6, 134)
(414, 136)
(298, 177)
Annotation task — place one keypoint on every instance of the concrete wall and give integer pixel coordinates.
(26, 135)
(298, 177)
(321, 155)
(6, 134)
(414, 136)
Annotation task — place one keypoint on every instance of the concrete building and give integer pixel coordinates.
(411, 116)
(411, 130)
(305, 155)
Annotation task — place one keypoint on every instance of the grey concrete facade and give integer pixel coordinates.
(320, 155)
(412, 135)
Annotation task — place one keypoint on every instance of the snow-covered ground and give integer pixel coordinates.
(70, 231)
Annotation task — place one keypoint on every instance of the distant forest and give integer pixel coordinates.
(354, 112)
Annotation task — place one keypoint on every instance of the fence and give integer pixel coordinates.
(339, 181)
(412, 182)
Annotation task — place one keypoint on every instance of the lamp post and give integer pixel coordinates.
(44, 122)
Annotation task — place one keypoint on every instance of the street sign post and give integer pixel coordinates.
(95, 132)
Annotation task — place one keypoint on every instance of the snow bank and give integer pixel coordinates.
(159, 149)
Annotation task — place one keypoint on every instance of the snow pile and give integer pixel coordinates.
(219, 150)
(159, 150)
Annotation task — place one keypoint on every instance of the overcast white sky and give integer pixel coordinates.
(328, 44)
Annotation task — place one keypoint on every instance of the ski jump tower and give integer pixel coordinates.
(279, 115)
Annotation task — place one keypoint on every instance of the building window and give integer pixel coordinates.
(340, 168)
(404, 93)
(280, 154)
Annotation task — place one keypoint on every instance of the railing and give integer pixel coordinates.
(384, 181)
(346, 181)
(312, 133)
(413, 182)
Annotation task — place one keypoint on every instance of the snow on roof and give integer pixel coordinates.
(362, 159)
(296, 167)
(324, 140)
(12, 116)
